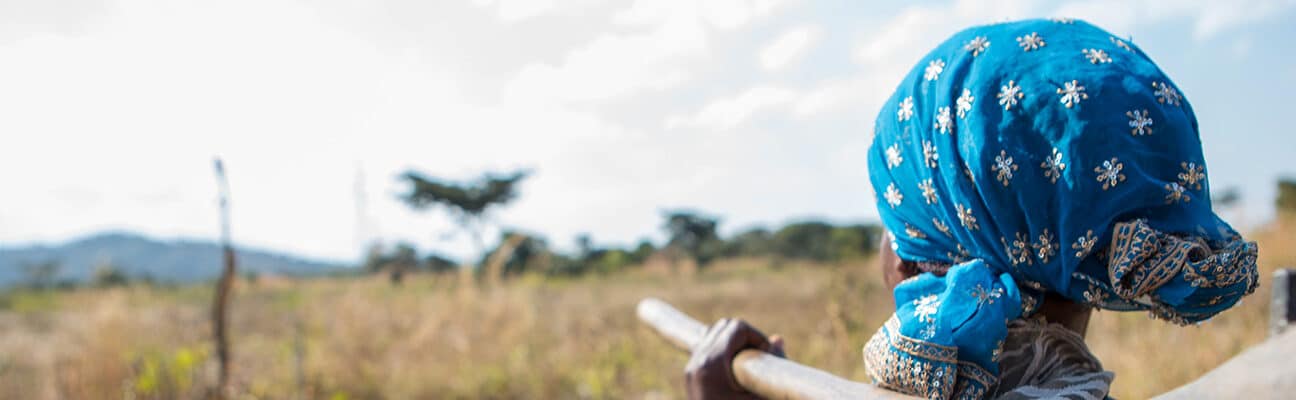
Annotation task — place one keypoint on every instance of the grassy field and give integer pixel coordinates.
(531, 338)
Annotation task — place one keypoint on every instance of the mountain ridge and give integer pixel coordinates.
(137, 256)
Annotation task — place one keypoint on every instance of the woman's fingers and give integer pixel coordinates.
(776, 346)
(708, 374)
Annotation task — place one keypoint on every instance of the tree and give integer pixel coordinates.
(641, 252)
(467, 203)
(611, 260)
(584, 246)
(516, 253)
(108, 275)
(804, 240)
(693, 234)
(438, 263)
(404, 258)
(375, 258)
(41, 275)
(1226, 198)
(853, 241)
(606, 260)
(1286, 201)
(755, 242)
(824, 242)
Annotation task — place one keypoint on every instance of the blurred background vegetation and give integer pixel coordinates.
(550, 324)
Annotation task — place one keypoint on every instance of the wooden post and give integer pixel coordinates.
(299, 357)
(223, 285)
(1282, 310)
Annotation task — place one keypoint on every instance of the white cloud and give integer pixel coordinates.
(518, 10)
(851, 94)
(788, 47)
(1207, 17)
(615, 65)
(122, 126)
(884, 57)
(111, 119)
(512, 11)
(896, 46)
(719, 14)
(726, 113)
(667, 40)
(919, 28)
(732, 14)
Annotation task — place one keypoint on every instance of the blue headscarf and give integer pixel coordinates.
(1040, 156)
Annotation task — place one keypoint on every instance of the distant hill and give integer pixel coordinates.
(139, 256)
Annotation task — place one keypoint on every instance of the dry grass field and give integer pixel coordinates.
(362, 338)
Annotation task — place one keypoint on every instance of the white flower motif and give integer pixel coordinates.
(1166, 94)
(1109, 173)
(928, 190)
(1072, 93)
(965, 217)
(933, 70)
(1046, 247)
(964, 103)
(1053, 166)
(977, 45)
(1121, 44)
(893, 157)
(1097, 56)
(1140, 123)
(926, 333)
(906, 109)
(984, 296)
(944, 122)
(1192, 177)
(1176, 193)
(1030, 42)
(1003, 165)
(893, 196)
(929, 154)
(1084, 244)
(925, 307)
(1009, 94)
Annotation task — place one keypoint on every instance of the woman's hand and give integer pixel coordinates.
(709, 372)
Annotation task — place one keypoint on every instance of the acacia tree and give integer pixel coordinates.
(467, 203)
(693, 234)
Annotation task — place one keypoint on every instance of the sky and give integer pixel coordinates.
(756, 111)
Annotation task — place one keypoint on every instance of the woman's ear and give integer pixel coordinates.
(893, 268)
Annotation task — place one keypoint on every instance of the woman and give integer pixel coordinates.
(1027, 172)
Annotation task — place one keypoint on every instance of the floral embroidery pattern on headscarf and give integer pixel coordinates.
(1069, 163)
